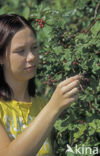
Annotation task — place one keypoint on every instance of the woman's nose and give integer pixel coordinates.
(30, 57)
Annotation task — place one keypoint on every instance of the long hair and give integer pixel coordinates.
(10, 24)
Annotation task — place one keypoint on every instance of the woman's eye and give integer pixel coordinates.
(35, 47)
(20, 51)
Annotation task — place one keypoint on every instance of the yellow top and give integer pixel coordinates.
(15, 116)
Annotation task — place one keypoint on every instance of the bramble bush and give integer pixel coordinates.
(69, 44)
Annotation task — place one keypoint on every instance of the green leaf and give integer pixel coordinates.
(26, 12)
(96, 28)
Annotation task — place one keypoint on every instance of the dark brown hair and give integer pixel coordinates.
(10, 24)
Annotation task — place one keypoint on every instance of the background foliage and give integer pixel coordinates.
(69, 43)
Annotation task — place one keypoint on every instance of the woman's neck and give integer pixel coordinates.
(19, 87)
(20, 90)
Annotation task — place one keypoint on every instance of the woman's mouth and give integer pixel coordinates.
(30, 68)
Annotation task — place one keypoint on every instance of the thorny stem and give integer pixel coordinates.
(82, 88)
(58, 73)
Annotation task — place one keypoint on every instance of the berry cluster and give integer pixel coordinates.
(50, 81)
(40, 22)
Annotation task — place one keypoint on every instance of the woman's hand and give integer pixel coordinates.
(65, 93)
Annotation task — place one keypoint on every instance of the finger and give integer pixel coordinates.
(69, 80)
(70, 86)
(71, 93)
(73, 99)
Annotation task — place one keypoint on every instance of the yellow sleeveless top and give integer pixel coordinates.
(15, 116)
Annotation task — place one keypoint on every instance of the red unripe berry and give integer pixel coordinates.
(70, 45)
(40, 20)
(37, 20)
(49, 84)
(41, 26)
(40, 23)
(75, 63)
(54, 80)
(43, 22)
(44, 82)
(49, 77)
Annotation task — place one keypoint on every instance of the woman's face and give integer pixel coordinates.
(21, 57)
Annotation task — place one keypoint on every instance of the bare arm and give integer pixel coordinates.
(29, 142)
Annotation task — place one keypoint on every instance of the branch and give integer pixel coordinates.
(91, 106)
(88, 30)
(58, 73)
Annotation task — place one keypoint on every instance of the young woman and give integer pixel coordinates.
(25, 119)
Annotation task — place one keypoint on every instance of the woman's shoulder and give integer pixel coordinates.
(4, 104)
(6, 107)
(7, 104)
